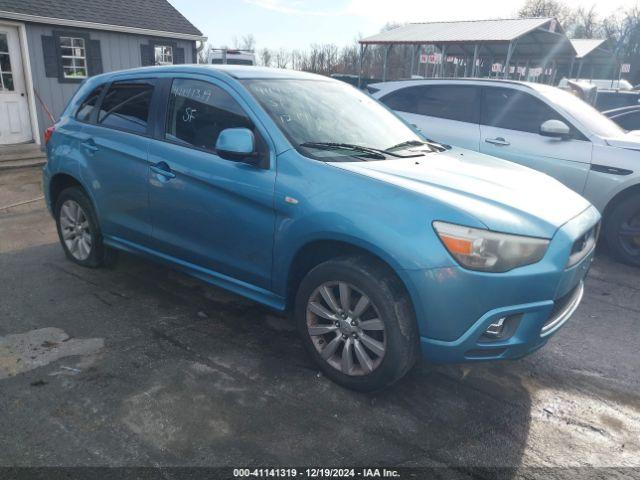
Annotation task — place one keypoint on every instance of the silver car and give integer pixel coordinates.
(538, 126)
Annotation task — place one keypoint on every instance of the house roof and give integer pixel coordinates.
(463, 31)
(584, 46)
(136, 16)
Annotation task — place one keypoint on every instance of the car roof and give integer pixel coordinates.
(234, 71)
(475, 81)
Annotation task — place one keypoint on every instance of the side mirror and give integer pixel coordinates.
(237, 144)
(555, 129)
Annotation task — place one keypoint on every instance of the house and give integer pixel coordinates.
(48, 47)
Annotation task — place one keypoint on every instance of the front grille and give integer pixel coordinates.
(584, 245)
(563, 308)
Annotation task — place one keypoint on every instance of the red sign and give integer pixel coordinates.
(423, 58)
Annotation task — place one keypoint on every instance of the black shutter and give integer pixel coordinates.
(50, 54)
(94, 57)
(147, 56)
(178, 56)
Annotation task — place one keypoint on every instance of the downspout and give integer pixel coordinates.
(199, 48)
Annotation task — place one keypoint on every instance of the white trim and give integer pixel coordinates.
(28, 78)
(98, 26)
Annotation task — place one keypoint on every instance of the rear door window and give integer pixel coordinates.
(126, 106)
(450, 102)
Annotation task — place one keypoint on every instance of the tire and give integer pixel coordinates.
(623, 217)
(78, 230)
(395, 333)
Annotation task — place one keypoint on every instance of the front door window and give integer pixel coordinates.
(6, 74)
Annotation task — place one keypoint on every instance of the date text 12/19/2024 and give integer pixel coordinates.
(315, 473)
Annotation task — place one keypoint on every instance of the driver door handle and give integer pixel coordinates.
(161, 168)
(497, 141)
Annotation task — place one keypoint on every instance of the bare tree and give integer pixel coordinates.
(548, 8)
(246, 42)
(265, 57)
(282, 58)
(587, 24)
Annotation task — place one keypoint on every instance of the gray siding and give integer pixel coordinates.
(119, 51)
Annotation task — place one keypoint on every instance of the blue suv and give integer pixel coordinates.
(308, 196)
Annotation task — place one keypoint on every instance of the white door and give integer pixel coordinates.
(510, 127)
(15, 123)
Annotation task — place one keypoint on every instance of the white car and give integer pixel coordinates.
(538, 126)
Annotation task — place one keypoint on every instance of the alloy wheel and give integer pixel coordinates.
(346, 328)
(629, 233)
(75, 229)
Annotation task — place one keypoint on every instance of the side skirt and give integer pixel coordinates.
(248, 290)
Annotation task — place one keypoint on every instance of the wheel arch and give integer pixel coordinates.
(58, 183)
(627, 192)
(318, 251)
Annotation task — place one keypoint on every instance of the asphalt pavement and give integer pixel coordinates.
(139, 365)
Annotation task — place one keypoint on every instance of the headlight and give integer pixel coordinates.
(487, 251)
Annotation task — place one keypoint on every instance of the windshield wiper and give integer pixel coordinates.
(416, 143)
(372, 152)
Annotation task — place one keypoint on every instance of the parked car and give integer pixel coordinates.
(603, 94)
(600, 83)
(610, 99)
(538, 126)
(304, 194)
(228, 56)
(627, 117)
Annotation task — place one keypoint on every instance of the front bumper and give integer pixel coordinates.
(455, 306)
(536, 323)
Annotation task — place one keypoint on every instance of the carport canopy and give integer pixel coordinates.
(595, 53)
(533, 40)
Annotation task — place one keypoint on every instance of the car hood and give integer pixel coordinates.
(630, 140)
(502, 195)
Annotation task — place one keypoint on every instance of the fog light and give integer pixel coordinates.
(496, 328)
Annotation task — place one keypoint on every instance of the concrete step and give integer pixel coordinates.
(8, 150)
(21, 156)
(24, 163)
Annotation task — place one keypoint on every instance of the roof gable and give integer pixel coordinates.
(584, 46)
(155, 15)
(464, 31)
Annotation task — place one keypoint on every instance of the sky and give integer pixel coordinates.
(299, 23)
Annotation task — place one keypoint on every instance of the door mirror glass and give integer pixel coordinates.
(556, 129)
(237, 144)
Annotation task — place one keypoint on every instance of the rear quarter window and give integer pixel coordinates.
(88, 107)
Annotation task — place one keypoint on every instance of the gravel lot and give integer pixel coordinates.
(139, 365)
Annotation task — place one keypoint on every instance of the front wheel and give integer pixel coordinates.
(356, 321)
(622, 230)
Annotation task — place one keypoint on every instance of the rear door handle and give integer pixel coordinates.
(90, 146)
(161, 168)
(497, 141)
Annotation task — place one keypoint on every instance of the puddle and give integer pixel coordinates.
(22, 352)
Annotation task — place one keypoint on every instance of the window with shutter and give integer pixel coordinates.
(71, 56)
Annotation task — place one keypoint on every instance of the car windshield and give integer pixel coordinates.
(330, 120)
(588, 116)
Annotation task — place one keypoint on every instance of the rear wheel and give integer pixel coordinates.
(357, 323)
(78, 228)
(622, 230)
